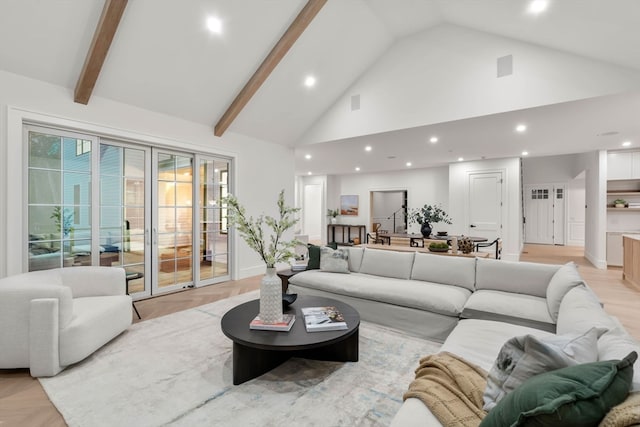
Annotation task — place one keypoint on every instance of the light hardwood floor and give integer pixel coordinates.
(23, 402)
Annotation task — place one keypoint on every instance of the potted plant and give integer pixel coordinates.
(438, 247)
(333, 214)
(427, 215)
(272, 250)
(619, 203)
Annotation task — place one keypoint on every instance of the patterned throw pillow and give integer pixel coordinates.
(523, 357)
(334, 261)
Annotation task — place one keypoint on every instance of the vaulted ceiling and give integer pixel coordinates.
(164, 59)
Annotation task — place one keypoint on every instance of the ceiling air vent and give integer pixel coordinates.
(355, 102)
(505, 66)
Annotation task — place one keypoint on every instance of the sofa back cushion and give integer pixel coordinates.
(387, 263)
(581, 310)
(510, 276)
(448, 270)
(355, 258)
(566, 278)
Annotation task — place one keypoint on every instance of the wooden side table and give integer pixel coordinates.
(284, 275)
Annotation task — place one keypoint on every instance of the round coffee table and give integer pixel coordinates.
(256, 352)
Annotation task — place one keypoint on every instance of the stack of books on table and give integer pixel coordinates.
(285, 325)
(323, 319)
(299, 266)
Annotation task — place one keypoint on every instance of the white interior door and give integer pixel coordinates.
(559, 193)
(485, 205)
(539, 214)
(312, 211)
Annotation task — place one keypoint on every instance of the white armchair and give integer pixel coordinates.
(51, 319)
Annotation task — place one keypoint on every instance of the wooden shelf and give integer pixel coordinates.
(623, 209)
(623, 193)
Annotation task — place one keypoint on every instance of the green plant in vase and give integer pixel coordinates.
(264, 235)
(426, 216)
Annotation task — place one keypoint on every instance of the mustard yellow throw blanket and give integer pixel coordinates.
(451, 388)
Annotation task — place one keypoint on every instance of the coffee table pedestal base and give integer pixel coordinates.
(251, 362)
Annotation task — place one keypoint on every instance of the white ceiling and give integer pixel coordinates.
(163, 59)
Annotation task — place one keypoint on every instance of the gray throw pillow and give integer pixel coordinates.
(334, 261)
(526, 356)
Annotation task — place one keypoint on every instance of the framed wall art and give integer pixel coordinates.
(349, 205)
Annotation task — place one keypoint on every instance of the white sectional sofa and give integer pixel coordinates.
(51, 319)
(472, 305)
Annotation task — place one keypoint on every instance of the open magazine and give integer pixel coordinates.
(323, 319)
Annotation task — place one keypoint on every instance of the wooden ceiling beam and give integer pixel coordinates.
(297, 27)
(102, 38)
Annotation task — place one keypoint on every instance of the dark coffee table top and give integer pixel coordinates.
(235, 325)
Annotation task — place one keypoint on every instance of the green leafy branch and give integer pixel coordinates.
(429, 214)
(253, 230)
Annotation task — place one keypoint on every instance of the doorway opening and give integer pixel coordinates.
(389, 209)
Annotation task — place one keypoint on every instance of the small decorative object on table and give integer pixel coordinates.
(465, 245)
(277, 250)
(438, 247)
(333, 215)
(619, 203)
(427, 215)
(288, 299)
(323, 319)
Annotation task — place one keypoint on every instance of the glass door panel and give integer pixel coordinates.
(122, 212)
(59, 199)
(213, 247)
(173, 230)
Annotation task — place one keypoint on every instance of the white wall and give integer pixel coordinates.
(262, 169)
(595, 249)
(511, 211)
(449, 73)
(422, 185)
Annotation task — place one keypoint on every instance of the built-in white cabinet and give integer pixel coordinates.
(623, 165)
(614, 249)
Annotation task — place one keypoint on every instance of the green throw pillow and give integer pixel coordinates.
(314, 255)
(579, 395)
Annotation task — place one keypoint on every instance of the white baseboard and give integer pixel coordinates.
(600, 264)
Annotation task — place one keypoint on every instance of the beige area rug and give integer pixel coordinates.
(176, 370)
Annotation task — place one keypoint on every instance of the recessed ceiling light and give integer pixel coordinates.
(309, 173)
(367, 148)
(433, 139)
(525, 153)
(626, 143)
(521, 128)
(307, 156)
(357, 168)
(537, 6)
(408, 164)
(460, 159)
(214, 24)
(310, 81)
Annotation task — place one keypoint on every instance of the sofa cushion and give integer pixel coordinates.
(522, 357)
(580, 310)
(578, 395)
(615, 344)
(518, 277)
(355, 258)
(450, 270)
(563, 280)
(334, 261)
(510, 304)
(436, 298)
(96, 320)
(387, 263)
(480, 341)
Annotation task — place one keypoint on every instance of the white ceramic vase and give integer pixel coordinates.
(271, 297)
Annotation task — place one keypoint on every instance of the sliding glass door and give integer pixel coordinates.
(156, 213)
